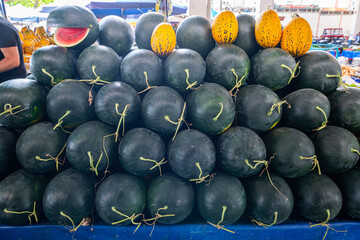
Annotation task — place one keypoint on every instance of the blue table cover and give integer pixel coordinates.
(348, 54)
(289, 230)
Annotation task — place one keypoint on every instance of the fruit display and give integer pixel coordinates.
(225, 128)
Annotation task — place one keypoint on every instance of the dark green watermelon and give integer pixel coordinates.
(141, 69)
(116, 33)
(345, 109)
(21, 196)
(41, 149)
(258, 108)
(239, 147)
(120, 193)
(8, 139)
(194, 32)
(170, 195)
(51, 64)
(292, 152)
(227, 65)
(99, 62)
(30, 76)
(69, 104)
(265, 204)
(191, 155)
(144, 28)
(161, 110)
(69, 195)
(337, 149)
(273, 67)
(141, 152)
(349, 184)
(22, 103)
(246, 34)
(184, 70)
(317, 71)
(317, 197)
(222, 201)
(309, 111)
(114, 99)
(211, 109)
(72, 16)
(90, 149)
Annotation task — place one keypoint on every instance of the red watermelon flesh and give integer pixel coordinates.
(69, 37)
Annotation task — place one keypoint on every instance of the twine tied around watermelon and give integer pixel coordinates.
(157, 216)
(8, 108)
(178, 123)
(325, 224)
(74, 229)
(323, 124)
(238, 82)
(277, 105)
(60, 121)
(121, 120)
(341, 83)
(148, 87)
(266, 225)
(126, 217)
(33, 213)
(91, 159)
(157, 164)
(53, 83)
(292, 72)
(315, 162)
(50, 158)
(218, 226)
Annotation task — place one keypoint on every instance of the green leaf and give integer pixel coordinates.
(29, 3)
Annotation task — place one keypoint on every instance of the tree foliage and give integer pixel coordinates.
(29, 3)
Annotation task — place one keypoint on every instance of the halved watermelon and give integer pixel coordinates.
(69, 37)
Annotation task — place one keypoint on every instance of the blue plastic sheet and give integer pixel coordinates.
(290, 230)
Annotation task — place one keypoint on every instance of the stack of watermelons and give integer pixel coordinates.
(240, 121)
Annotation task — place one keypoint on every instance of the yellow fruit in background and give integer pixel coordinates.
(225, 27)
(163, 39)
(268, 29)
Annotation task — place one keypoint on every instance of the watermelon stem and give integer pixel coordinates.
(201, 177)
(53, 83)
(292, 72)
(190, 86)
(9, 109)
(72, 222)
(33, 213)
(121, 121)
(267, 225)
(323, 124)
(277, 105)
(315, 162)
(131, 218)
(157, 164)
(224, 208)
(92, 168)
(218, 115)
(257, 163)
(56, 159)
(60, 121)
(148, 87)
(341, 83)
(157, 216)
(355, 151)
(325, 224)
(178, 123)
(237, 82)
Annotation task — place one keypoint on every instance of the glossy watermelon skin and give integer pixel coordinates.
(204, 105)
(195, 33)
(314, 194)
(175, 66)
(59, 197)
(174, 192)
(267, 70)
(123, 191)
(117, 93)
(345, 109)
(303, 114)
(188, 148)
(8, 139)
(253, 103)
(287, 146)
(136, 63)
(223, 61)
(18, 192)
(40, 140)
(71, 96)
(117, 34)
(71, 16)
(263, 200)
(333, 147)
(223, 190)
(159, 103)
(137, 143)
(246, 35)
(29, 95)
(314, 66)
(145, 26)
(236, 145)
(100, 60)
(89, 137)
(55, 60)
